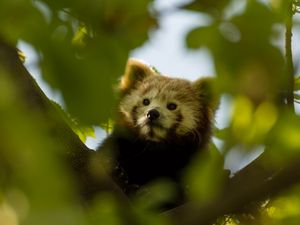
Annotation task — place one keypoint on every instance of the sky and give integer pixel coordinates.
(166, 50)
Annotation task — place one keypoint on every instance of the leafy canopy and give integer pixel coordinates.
(82, 49)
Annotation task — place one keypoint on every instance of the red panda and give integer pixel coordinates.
(162, 123)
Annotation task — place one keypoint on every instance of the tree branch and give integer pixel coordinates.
(253, 183)
(289, 55)
(77, 156)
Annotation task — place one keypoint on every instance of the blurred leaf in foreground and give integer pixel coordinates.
(83, 131)
(246, 61)
(251, 125)
(86, 62)
(205, 176)
(34, 181)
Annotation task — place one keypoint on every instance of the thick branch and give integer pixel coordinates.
(253, 183)
(77, 155)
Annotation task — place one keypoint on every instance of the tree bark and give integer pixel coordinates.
(253, 183)
(77, 156)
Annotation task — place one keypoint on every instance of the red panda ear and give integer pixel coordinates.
(206, 88)
(135, 71)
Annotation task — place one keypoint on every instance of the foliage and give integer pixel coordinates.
(83, 47)
(90, 38)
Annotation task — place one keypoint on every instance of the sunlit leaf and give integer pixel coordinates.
(250, 124)
(21, 55)
(297, 83)
(284, 209)
(108, 126)
(242, 118)
(7, 214)
(79, 37)
(205, 176)
(106, 210)
(265, 118)
(290, 138)
(284, 142)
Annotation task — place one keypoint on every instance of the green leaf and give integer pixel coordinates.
(83, 131)
(297, 83)
(108, 126)
(84, 62)
(205, 176)
(212, 7)
(221, 133)
(21, 55)
(80, 36)
(201, 37)
(85, 81)
(105, 210)
(21, 20)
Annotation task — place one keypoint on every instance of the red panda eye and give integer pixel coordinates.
(146, 101)
(171, 106)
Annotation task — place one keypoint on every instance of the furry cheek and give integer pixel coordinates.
(128, 106)
(189, 121)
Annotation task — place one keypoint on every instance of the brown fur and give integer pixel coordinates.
(144, 149)
(194, 99)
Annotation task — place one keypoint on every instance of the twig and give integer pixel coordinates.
(289, 56)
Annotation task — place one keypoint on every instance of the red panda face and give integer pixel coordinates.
(159, 107)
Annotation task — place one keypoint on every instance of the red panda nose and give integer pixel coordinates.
(152, 114)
